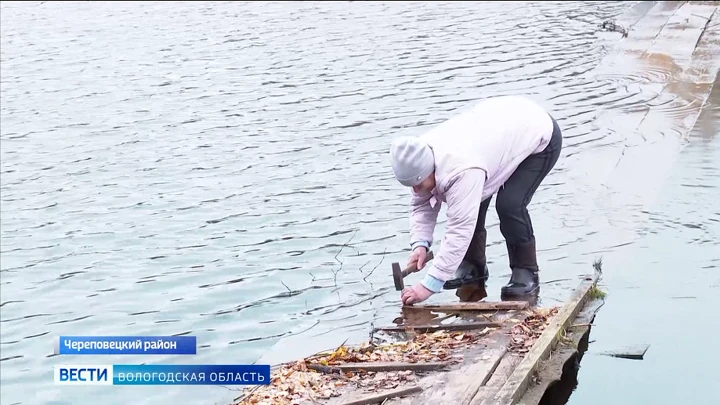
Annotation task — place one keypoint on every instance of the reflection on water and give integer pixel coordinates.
(471, 292)
(219, 169)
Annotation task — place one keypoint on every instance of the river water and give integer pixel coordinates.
(662, 290)
(220, 169)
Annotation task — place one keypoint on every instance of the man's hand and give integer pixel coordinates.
(415, 294)
(417, 258)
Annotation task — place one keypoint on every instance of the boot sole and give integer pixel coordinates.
(454, 285)
(517, 292)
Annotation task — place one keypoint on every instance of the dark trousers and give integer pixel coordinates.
(511, 205)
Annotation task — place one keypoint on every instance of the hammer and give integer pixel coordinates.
(399, 275)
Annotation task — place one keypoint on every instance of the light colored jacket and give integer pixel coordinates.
(475, 153)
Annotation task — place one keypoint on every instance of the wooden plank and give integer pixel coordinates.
(634, 352)
(460, 385)
(379, 366)
(551, 371)
(431, 328)
(518, 381)
(381, 396)
(473, 306)
(499, 377)
(477, 376)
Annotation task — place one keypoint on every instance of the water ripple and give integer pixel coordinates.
(171, 171)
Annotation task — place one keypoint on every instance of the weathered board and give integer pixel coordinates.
(557, 376)
(463, 384)
(473, 306)
(382, 396)
(634, 352)
(517, 382)
(431, 328)
(386, 366)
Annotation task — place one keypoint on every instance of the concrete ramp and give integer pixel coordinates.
(663, 73)
(679, 66)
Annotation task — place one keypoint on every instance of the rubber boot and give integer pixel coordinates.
(466, 274)
(523, 262)
(473, 269)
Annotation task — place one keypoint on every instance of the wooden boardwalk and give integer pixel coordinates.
(492, 372)
(501, 346)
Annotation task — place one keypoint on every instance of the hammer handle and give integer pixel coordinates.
(413, 267)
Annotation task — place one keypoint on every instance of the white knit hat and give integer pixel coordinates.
(412, 160)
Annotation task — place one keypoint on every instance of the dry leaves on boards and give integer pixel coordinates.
(524, 334)
(301, 382)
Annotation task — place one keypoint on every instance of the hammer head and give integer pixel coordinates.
(397, 277)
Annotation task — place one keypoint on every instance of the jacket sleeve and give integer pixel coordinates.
(463, 198)
(423, 218)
